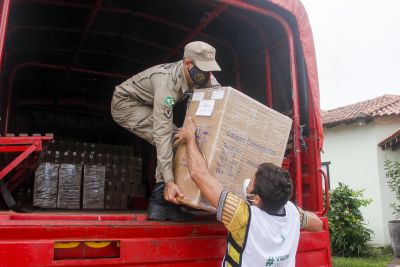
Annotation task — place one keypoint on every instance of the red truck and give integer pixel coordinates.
(60, 61)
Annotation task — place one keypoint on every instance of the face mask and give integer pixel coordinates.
(248, 197)
(199, 77)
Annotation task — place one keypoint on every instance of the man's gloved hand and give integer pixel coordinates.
(171, 192)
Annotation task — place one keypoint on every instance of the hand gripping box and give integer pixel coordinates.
(235, 133)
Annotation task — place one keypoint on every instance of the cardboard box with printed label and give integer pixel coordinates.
(235, 133)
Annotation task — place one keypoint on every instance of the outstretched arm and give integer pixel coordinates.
(197, 165)
(309, 221)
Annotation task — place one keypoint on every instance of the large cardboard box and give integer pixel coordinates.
(235, 134)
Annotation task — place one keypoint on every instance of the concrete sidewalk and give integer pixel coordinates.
(395, 263)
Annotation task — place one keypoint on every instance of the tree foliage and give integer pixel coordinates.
(349, 235)
(392, 168)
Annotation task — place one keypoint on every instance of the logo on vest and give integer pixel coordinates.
(270, 262)
(283, 237)
(276, 261)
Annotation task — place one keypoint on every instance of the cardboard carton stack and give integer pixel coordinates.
(235, 133)
(77, 175)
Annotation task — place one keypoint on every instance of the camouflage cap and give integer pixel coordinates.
(203, 56)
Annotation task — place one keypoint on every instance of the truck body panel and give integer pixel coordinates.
(61, 59)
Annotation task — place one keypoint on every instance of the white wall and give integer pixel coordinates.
(357, 161)
(387, 196)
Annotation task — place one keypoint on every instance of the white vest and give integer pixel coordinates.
(272, 240)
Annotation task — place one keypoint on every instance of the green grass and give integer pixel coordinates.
(383, 257)
(379, 261)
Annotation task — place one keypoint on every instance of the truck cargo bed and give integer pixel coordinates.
(123, 239)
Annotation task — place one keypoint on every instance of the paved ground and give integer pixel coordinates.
(395, 263)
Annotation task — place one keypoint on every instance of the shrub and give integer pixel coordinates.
(392, 168)
(349, 235)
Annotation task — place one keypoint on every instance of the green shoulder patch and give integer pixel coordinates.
(169, 101)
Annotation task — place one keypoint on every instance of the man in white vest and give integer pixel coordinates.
(264, 230)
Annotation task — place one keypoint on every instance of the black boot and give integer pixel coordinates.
(161, 210)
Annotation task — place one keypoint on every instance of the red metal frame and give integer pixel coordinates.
(129, 38)
(85, 32)
(5, 8)
(48, 66)
(326, 185)
(27, 145)
(153, 19)
(313, 156)
(268, 79)
(18, 178)
(142, 242)
(15, 29)
(295, 97)
(252, 23)
(89, 52)
(120, 11)
(205, 21)
(52, 238)
(56, 3)
(61, 102)
(296, 119)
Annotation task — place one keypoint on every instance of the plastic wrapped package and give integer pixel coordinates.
(56, 158)
(108, 160)
(100, 159)
(92, 158)
(45, 188)
(75, 158)
(121, 169)
(69, 186)
(67, 157)
(123, 174)
(135, 163)
(93, 187)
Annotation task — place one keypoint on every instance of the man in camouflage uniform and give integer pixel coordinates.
(143, 105)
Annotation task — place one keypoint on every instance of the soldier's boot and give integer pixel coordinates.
(161, 210)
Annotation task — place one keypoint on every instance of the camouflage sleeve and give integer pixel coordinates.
(164, 100)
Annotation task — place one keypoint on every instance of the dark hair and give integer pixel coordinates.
(273, 185)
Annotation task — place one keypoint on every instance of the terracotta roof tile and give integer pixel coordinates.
(391, 140)
(380, 106)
